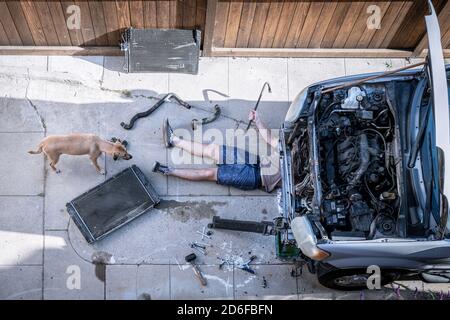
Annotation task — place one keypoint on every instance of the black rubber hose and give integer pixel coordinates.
(144, 114)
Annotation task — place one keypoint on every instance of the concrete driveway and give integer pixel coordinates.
(42, 253)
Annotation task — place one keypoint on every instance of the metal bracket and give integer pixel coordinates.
(263, 227)
(196, 122)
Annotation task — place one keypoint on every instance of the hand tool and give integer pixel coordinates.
(202, 244)
(246, 267)
(204, 234)
(198, 248)
(257, 102)
(191, 259)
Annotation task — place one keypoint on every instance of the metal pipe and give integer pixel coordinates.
(257, 102)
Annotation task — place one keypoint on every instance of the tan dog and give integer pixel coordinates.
(80, 144)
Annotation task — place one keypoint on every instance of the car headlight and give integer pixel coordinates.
(296, 106)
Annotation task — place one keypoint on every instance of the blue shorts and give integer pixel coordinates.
(239, 169)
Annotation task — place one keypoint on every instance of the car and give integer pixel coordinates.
(365, 164)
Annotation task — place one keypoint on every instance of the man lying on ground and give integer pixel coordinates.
(234, 166)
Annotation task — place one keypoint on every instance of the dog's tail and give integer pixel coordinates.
(39, 150)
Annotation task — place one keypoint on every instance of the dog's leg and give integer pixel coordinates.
(94, 162)
(53, 161)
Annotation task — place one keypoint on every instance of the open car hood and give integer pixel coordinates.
(438, 80)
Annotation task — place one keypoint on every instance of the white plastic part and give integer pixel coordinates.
(306, 239)
(351, 102)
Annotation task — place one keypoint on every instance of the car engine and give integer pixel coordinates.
(356, 142)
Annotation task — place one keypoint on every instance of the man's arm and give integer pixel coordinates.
(265, 133)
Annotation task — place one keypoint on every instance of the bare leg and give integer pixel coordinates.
(198, 149)
(208, 174)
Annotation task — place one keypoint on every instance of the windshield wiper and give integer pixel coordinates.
(419, 139)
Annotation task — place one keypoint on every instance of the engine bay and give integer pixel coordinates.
(355, 133)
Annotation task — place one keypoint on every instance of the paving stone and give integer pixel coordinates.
(21, 283)
(247, 76)
(22, 174)
(121, 282)
(304, 72)
(18, 115)
(115, 78)
(190, 215)
(183, 216)
(21, 238)
(147, 239)
(185, 285)
(153, 282)
(270, 282)
(31, 62)
(77, 176)
(360, 66)
(62, 267)
(13, 85)
(89, 68)
(209, 86)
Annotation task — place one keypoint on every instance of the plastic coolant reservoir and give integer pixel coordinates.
(352, 101)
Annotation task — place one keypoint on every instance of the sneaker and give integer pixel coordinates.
(158, 167)
(167, 134)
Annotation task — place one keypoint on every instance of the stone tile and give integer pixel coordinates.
(152, 239)
(153, 282)
(77, 176)
(22, 173)
(303, 72)
(121, 282)
(185, 285)
(360, 66)
(143, 282)
(279, 284)
(62, 267)
(146, 239)
(18, 115)
(60, 89)
(21, 238)
(32, 62)
(21, 283)
(189, 215)
(247, 75)
(89, 68)
(116, 78)
(13, 87)
(209, 86)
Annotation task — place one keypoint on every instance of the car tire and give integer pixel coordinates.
(349, 279)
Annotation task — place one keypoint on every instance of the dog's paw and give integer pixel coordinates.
(102, 172)
(58, 171)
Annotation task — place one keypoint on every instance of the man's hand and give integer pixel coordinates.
(253, 116)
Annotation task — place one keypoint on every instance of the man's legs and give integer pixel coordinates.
(198, 149)
(207, 174)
